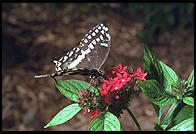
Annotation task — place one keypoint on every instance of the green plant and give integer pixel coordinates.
(106, 100)
(164, 90)
(160, 17)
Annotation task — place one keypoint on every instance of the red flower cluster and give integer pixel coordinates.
(120, 77)
(138, 74)
(114, 84)
(87, 100)
(117, 78)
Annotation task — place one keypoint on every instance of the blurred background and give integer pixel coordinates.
(35, 34)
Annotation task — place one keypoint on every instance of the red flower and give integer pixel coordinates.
(85, 111)
(94, 113)
(113, 85)
(111, 90)
(106, 86)
(117, 97)
(138, 74)
(121, 69)
(124, 78)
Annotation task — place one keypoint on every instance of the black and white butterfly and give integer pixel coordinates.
(86, 58)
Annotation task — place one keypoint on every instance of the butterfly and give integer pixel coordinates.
(88, 57)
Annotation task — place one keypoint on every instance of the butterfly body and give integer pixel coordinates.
(93, 73)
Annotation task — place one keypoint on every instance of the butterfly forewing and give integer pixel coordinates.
(91, 52)
(96, 47)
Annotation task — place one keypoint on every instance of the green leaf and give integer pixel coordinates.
(159, 71)
(169, 74)
(155, 93)
(64, 115)
(163, 127)
(190, 80)
(153, 67)
(185, 113)
(159, 111)
(186, 125)
(167, 85)
(189, 101)
(71, 88)
(105, 122)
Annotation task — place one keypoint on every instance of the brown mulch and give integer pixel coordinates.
(33, 37)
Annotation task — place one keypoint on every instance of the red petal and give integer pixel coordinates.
(120, 66)
(139, 70)
(117, 97)
(85, 111)
(124, 68)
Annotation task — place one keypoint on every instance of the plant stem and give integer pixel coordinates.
(169, 113)
(134, 119)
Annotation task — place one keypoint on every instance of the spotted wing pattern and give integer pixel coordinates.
(91, 52)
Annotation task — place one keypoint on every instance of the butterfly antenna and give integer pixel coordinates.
(43, 76)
